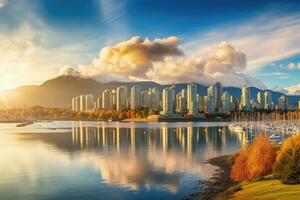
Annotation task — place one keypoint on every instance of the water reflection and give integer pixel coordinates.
(132, 161)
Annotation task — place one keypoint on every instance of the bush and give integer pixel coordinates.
(239, 171)
(287, 166)
(261, 158)
(254, 162)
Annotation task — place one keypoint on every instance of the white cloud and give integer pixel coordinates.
(291, 66)
(2, 3)
(25, 57)
(130, 58)
(265, 40)
(293, 90)
(161, 60)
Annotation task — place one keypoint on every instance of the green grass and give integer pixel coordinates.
(267, 190)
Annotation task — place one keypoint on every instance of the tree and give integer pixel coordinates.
(255, 161)
(239, 171)
(261, 158)
(287, 166)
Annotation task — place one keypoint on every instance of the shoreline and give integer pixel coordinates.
(216, 187)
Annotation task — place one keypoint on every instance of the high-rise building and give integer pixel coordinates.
(167, 102)
(210, 105)
(135, 98)
(114, 99)
(107, 100)
(192, 98)
(283, 103)
(174, 93)
(145, 100)
(181, 101)
(218, 91)
(268, 100)
(89, 102)
(225, 102)
(99, 103)
(121, 98)
(233, 103)
(299, 105)
(154, 98)
(74, 104)
(200, 102)
(246, 98)
(260, 100)
(82, 103)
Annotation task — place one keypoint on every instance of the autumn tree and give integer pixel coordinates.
(287, 166)
(261, 158)
(239, 170)
(255, 161)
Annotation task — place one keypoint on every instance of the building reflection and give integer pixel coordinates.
(137, 158)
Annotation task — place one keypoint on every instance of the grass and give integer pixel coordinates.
(266, 190)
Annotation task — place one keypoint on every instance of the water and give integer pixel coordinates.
(97, 160)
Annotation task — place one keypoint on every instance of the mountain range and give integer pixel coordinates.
(59, 91)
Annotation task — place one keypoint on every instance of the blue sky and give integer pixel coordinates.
(39, 37)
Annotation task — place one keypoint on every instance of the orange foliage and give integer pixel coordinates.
(255, 162)
(261, 158)
(239, 170)
(287, 166)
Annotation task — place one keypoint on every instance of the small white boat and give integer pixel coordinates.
(274, 137)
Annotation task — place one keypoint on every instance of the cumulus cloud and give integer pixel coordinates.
(163, 61)
(133, 57)
(219, 62)
(2, 3)
(293, 90)
(266, 39)
(69, 71)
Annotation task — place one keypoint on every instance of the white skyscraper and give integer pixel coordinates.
(192, 98)
(299, 105)
(260, 101)
(135, 98)
(210, 104)
(226, 102)
(82, 103)
(218, 91)
(99, 103)
(167, 102)
(154, 98)
(246, 98)
(114, 99)
(74, 104)
(268, 100)
(121, 98)
(107, 100)
(283, 103)
(89, 102)
(145, 99)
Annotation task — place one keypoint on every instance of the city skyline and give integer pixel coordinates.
(170, 102)
(212, 42)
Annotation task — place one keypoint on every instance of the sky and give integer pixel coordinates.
(252, 43)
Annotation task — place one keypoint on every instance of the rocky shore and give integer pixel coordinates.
(216, 187)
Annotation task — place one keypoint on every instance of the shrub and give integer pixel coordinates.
(287, 166)
(239, 171)
(261, 158)
(256, 161)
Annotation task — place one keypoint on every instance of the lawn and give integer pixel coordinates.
(267, 190)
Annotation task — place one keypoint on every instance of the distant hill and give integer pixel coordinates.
(59, 91)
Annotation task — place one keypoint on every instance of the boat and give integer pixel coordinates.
(236, 128)
(274, 137)
(24, 124)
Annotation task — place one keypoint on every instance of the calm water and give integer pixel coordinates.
(89, 160)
